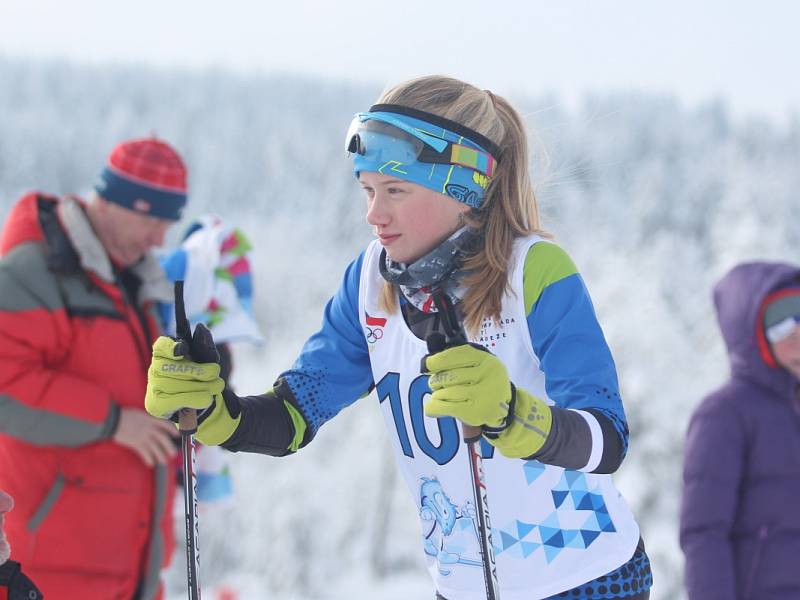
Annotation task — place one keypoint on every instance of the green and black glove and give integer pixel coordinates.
(471, 384)
(175, 382)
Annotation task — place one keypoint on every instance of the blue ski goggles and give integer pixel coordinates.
(425, 149)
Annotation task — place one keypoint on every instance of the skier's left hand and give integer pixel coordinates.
(469, 384)
(472, 385)
(175, 382)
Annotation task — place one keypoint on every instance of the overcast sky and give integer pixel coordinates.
(743, 50)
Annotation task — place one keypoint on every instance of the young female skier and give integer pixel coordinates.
(444, 167)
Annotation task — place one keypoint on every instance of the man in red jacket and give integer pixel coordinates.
(88, 468)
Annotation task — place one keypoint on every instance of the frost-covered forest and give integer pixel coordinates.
(654, 200)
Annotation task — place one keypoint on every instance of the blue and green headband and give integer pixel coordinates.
(425, 149)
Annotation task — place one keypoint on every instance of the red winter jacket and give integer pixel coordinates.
(91, 521)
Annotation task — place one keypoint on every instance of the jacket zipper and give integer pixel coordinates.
(47, 504)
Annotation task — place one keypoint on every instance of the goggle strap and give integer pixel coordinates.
(433, 119)
(465, 156)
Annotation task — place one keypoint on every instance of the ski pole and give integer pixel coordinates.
(201, 349)
(454, 336)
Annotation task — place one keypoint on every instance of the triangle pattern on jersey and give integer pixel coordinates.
(551, 521)
(589, 537)
(605, 522)
(584, 502)
(573, 539)
(551, 552)
(524, 529)
(556, 540)
(562, 485)
(559, 497)
(592, 523)
(575, 480)
(507, 540)
(528, 548)
(533, 470)
(498, 549)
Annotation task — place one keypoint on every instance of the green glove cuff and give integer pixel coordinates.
(218, 426)
(529, 428)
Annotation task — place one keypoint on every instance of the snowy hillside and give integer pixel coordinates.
(653, 200)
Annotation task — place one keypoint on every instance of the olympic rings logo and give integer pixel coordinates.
(373, 334)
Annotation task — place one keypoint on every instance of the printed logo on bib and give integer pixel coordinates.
(374, 329)
(452, 535)
(492, 332)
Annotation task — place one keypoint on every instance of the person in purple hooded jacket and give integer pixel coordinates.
(740, 514)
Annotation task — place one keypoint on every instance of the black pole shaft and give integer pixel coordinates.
(190, 512)
(454, 335)
(188, 426)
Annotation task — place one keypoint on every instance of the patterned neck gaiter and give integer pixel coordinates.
(438, 270)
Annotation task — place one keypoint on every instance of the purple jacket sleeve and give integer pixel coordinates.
(712, 472)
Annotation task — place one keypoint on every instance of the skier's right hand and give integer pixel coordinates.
(175, 382)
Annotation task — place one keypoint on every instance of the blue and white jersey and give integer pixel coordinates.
(553, 528)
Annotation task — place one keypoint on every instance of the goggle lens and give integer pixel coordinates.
(381, 142)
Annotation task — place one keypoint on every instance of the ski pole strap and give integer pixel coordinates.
(452, 329)
(494, 432)
(187, 418)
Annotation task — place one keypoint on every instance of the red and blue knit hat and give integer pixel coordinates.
(146, 176)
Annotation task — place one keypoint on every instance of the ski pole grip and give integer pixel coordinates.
(436, 342)
(187, 417)
(471, 433)
(187, 420)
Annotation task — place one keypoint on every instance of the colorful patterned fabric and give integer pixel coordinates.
(464, 177)
(213, 260)
(437, 270)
